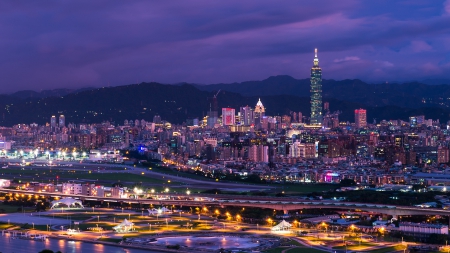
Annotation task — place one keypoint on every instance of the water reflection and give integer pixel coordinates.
(7, 244)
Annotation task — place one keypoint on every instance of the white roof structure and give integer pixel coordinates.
(124, 226)
(259, 107)
(283, 225)
(69, 202)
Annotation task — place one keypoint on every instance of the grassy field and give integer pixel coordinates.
(116, 240)
(304, 250)
(356, 246)
(180, 174)
(294, 250)
(305, 188)
(5, 226)
(45, 174)
(387, 249)
(14, 209)
(276, 250)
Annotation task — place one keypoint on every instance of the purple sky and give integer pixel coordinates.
(56, 44)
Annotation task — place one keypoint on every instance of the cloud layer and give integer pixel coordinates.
(99, 43)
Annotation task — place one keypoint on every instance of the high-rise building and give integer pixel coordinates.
(259, 112)
(228, 116)
(247, 117)
(258, 153)
(62, 121)
(316, 92)
(360, 118)
(416, 121)
(53, 121)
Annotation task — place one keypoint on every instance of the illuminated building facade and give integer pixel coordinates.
(228, 116)
(62, 121)
(316, 92)
(53, 122)
(360, 118)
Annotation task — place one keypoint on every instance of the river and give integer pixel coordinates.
(8, 245)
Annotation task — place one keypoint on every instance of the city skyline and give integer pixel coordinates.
(209, 126)
(65, 46)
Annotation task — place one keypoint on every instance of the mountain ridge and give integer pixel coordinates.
(176, 103)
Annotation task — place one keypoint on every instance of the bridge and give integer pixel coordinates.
(285, 204)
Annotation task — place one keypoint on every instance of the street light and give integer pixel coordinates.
(382, 231)
(188, 192)
(325, 225)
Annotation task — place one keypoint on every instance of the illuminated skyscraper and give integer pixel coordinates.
(360, 118)
(316, 92)
(53, 121)
(62, 121)
(228, 116)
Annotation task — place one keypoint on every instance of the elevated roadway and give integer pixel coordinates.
(284, 204)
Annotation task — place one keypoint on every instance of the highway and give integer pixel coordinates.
(282, 204)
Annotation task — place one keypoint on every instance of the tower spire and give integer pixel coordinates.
(316, 59)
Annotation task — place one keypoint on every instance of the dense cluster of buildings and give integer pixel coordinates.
(244, 141)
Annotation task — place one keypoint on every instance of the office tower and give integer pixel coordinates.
(228, 116)
(316, 92)
(53, 121)
(360, 118)
(259, 112)
(247, 116)
(300, 117)
(62, 121)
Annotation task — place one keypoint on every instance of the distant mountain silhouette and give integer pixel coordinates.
(47, 93)
(436, 81)
(176, 103)
(409, 95)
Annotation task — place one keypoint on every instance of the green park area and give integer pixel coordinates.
(47, 175)
(387, 249)
(291, 188)
(297, 249)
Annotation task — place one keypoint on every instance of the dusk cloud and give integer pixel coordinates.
(347, 58)
(98, 43)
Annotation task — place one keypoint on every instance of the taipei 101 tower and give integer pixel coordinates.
(316, 92)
